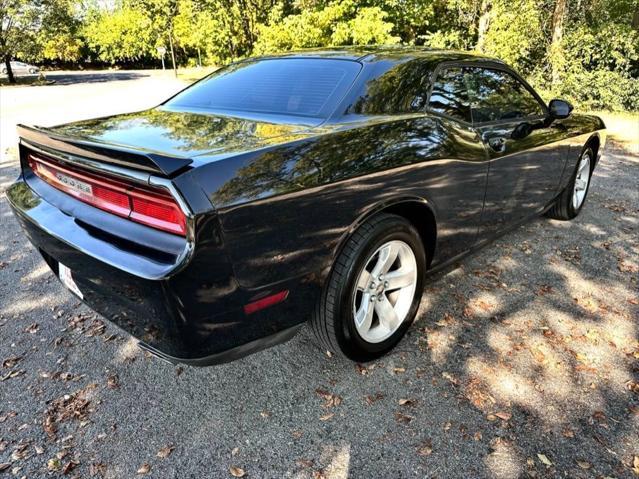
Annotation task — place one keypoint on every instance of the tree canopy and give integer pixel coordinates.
(584, 50)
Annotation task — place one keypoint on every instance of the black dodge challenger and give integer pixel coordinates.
(318, 185)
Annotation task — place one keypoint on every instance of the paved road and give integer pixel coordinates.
(81, 95)
(523, 363)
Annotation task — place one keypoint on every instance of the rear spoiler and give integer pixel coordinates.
(103, 152)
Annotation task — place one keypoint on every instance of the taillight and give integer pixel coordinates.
(146, 205)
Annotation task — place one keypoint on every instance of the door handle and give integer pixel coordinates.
(497, 143)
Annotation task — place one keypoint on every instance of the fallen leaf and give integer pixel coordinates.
(635, 465)
(399, 370)
(32, 328)
(113, 382)
(165, 451)
(10, 362)
(450, 377)
(330, 400)
(370, 399)
(54, 464)
(403, 418)
(504, 415)
(308, 463)
(407, 402)
(326, 417)
(237, 471)
(584, 464)
(567, 432)
(144, 469)
(426, 449)
(97, 469)
(4, 466)
(69, 466)
(538, 354)
(544, 459)
(483, 305)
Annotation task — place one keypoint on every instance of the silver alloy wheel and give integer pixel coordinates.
(385, 291)
(581, 181)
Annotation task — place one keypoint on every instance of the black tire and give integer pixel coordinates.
(333, 322)
(33, 71)
(3, 71)
(563, 208)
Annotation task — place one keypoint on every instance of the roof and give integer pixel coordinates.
(371, 54)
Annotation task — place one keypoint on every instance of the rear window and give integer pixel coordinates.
(284, 86)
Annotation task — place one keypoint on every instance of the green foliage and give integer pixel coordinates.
(515, 34)
(587, 51)
(338, 23)
(122, 35)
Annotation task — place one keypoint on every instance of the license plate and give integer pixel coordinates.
(67, 280)
(74, 183)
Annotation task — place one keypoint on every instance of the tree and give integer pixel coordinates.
(556, 54)
(338, 23)
(124, 34)
(19, 20)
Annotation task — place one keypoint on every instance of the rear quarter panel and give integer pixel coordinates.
(284, 211)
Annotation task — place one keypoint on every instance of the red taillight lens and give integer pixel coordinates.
(158, 211)
(148, 206)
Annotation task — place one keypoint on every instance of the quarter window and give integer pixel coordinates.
(497, 95)
(449, 95)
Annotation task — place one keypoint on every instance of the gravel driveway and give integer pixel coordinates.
(524, 362)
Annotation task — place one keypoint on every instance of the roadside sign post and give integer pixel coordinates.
(162, 52)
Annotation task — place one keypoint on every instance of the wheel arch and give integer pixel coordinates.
(594, 142)
(418, 211)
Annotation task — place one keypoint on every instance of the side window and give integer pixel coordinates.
(497, 95)
(449, 95)
(401, 88)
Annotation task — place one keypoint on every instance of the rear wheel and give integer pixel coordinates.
(572, 198)
(373, 292)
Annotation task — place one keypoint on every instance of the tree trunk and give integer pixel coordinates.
(199, 58)
(7, 62)
(558, 17)
(635, 20)
(172, 51)
(483, 24)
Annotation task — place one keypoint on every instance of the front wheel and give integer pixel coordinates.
(372, 295)
(572, 198)
(33, 71)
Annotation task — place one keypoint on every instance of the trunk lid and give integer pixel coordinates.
(162, 141)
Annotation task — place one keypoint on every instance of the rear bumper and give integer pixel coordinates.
(193, 315)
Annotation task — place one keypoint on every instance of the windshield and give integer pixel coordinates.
(306, 87)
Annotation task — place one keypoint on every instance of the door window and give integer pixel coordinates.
(497, 95)
(449, 95)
